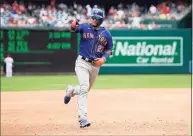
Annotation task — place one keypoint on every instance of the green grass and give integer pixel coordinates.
(24, 83)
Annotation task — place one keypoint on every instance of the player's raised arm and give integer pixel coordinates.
(75, 27)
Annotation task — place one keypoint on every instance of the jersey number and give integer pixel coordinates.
(100, 48)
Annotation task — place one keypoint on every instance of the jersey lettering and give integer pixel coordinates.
(88, 35)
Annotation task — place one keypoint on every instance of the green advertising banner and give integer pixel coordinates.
(147, 51)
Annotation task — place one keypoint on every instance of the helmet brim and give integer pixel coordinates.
(97, 17)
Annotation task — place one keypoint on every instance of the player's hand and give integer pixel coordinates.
(99, 61)
(74, 23)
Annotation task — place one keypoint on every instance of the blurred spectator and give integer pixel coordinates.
(153, 10)
(15, 6)
(89, 10)
(120, 16)
(136, 21)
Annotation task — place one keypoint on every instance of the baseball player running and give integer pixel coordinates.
(95, 48)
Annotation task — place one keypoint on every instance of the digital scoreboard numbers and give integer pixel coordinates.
(53, 36)
(16, 42)
(40, 50)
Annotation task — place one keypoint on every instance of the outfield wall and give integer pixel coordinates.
(155, 51)
(135, 51)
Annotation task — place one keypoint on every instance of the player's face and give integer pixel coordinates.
(94, 21)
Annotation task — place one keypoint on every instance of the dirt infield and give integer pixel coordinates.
(113, 112)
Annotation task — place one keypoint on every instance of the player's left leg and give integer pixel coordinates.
(10, 72)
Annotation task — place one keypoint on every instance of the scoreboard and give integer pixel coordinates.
(39, 50)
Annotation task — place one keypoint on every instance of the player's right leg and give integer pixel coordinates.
(7, 71)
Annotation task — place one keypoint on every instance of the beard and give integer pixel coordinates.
(94, 25)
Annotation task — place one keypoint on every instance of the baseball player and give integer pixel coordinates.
(9, 65)
(95, 48)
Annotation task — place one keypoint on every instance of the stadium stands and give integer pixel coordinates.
(123, 16)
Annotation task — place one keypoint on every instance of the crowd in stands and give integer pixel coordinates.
(20, 14)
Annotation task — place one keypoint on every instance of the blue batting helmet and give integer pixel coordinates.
(97, 14)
